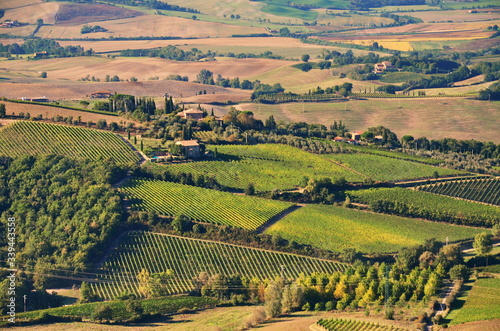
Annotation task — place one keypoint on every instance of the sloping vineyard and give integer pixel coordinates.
(172, 199)
(34, 138)
(267, 166)
(389, 169)
(338, 324)
(482, 190)
(429, 206)
(187, 258)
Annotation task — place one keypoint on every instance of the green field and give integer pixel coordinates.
(163, 305)
(482, 190)
(33, 138)
(317, 3)
(436, 44)
(430, 206)
(383, 168)
(290, 12)
(466, 5)
(400, 77)
(172, 199)
(187, 258)
(267, 166)
(335, 228)
(483, 302)
(338, 324)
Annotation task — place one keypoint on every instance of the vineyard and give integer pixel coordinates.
(482, 303)
(172, 199)
(338, 324)
(429, 206)
(336, 228)
(32, 138)
(482, 190)
(187, 258)
(290, 97)
(267, 166)
(388, 169)
(384, 152)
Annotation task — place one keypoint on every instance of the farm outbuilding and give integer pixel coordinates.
(191, 148)
(193, 114)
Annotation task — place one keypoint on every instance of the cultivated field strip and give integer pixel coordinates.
(187, 258)
(172, 199)
(481, 190)
(338, 324)
(34, 138)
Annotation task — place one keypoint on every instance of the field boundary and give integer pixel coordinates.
(276, 218)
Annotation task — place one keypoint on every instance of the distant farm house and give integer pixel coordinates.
(193, 114)
(40, 54)
(101, 95)
(356, 135)
(7, 24)
(191, 148)
(384, 66)
(37, 99)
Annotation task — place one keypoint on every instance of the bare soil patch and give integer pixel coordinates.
(478, 44)
(79, 13)
(493, 325)
(9, 4)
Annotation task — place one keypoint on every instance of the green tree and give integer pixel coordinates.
(459, 272)
(306, 67)
(305, 58)
(483, 243)
(102, 312)
(43, 74)
(250, 189)
(273, 298)
(2, 110)
(495, 231)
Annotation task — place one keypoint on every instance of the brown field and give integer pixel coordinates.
(430, 36)
(472, 80)
(493, 325)
(465, 89)
(474, 45)
(141, 68)
(77, 13)
(46, 11)
(151, 26)
(455, 15)
(9, 4)
(81, 90)
(432, 118)
(271, 43)
(48, 112)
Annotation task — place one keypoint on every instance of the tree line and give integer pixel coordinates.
(53, 48)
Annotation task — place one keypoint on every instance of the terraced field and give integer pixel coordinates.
(187, 258)
(32, 138)
(336, 228)
(172, 199)
(267, 166)
(389, 169)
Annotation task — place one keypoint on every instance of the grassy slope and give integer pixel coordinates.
(267, 166)
(336, 228)
(482, 303)
(388, 169)
(417, 117)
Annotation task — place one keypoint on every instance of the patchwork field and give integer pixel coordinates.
(388, 169)
(417, 117)
(44, 10)
(336, 228)
(455, 15)
(172, 199)
(78, 13)
(156, 26)
(482, 303)
(32, 138)
(267, 166)
(187, 258)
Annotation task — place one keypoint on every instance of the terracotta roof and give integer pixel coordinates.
(187, 143)
(193, 111)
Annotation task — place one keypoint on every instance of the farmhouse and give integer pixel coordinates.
(384, 66)
(356, 135)
(40, 54)
(193, 114)
(191, 148)
(101, 95)
(37, 99)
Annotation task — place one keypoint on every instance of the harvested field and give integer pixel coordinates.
(151, 26)
(143, 69)
(478, 44)
(493, 325)
(46, 11)
(460, 89)
(427, 28)
(49, 112)
(455, 15)
(9, 4)
(79, 13)
(80, 90)
(473, 80)
(433, 118)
